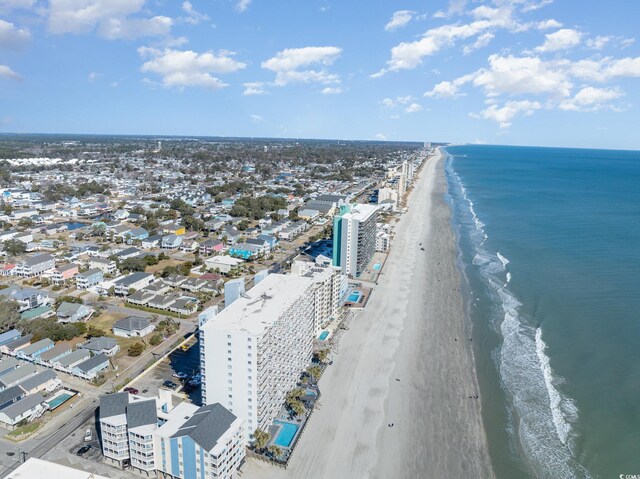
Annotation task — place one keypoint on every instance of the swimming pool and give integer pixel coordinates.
(355, 296)
(59, 400)
(287, 433)
(323, 335)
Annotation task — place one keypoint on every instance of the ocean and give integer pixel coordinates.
(549, 248)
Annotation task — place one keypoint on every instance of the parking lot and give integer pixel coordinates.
(185, 361)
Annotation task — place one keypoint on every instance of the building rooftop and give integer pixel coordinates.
(34, 468)
(141, 413)
(113, 404)
(262, 305)
(20, 407)
(131, 323)
(207, 425)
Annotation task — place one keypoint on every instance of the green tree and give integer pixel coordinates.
(136, 349)
(95, 332)
(155, 340)
(315, 372)
(276, 451)
(297, 407)
(67, 299)
(14, 247)
(9, 313)
(260, 439)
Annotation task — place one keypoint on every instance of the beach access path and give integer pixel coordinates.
(406, 360)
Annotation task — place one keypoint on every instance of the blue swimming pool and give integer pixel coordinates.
(59, 400)
(377, 266)
(323, 335)
(287, 433)
(355, 296)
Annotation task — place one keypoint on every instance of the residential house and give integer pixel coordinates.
(173, 229)
(58, 351)
(27, 298)
(222, 263)
(89, 278)
(22, 409)
(107, 266)
(127, 253)
(231, 234)
(135, 282)
(162, 301)
(101, 345)
(184, 306)
(171, 241)
(245, 251)
(308, 214)
(36, 265)
(8, 364)
(141, 297)
(151, 242)
(210, 246)
(33, 351)
(11, 395)
(9, 336)
(189, 246)
(133, 327)
(68, 361)
(175, 280)
(12, 347)
(73, 312)
(43, 381)
(92, 366)
(17, 375)
(136, 234)
(64, 273)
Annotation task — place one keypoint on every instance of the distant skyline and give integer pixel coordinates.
(522, 72)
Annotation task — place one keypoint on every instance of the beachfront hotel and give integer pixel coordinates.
(354, 238)
(256, 348)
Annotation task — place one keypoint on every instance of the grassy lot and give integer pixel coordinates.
(20, 433)
(162, 264)
(105, 320)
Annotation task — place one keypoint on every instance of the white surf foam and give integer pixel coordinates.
(508, 277)
(503, 260)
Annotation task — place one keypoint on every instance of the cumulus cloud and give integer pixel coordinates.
(399, 19)
(413, 108)
(292, 65)
(548, 24)
(449, 89)
(331, 90)
(591, 99)
(94, 76)
(505, 114)
(381, 136)
(11, 37)
(560, 40)
(7, 5)
(110, 17)
(409, 55)
(254, 88)
(242, 5)
(481, 42)
(9, 74)
(257, 119)
(397, 101)
(188, 68)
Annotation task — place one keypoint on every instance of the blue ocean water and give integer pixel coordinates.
(549, 243)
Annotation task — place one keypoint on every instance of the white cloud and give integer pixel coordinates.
(254, 88)
(560, 40)
(548, 24)
(289, 65)
(94, 76)
(504, 115)
(447, 89)
(413, 108)
(331, 90)
(521, 75)
(188, 68)
(399, 19)
(257, 119)
(110, 17)
(242, 5)
(11, 37)
(409, 55)
(399, 100)
(591, 99)
(9, 74)
(531, 6)
(481, 42)
(193, 17)
(388, 102)
(381, 136)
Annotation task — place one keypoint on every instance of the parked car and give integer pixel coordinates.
(88, 435)
(83, 450)
(170, 384)
(131, 390)
(180, 375)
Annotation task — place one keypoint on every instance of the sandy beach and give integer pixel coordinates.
(406, 360)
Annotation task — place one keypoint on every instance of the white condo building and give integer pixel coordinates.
(255, 349)
(331, 288)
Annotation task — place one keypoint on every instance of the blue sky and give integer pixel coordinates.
(529, 72)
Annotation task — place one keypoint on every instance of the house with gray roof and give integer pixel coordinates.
(55, 353)
(16, 376)
(33, 351)
(9, 336)
(27, 298)
(8, 364)
(44, 380)
(12, 347)
(90, 368)
(68, 361)
(133, 327)
(73, 312)
(11, 415)
(11, 395)
(101, 345)
(36, 265)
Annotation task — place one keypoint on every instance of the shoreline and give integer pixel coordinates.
(406, 361)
